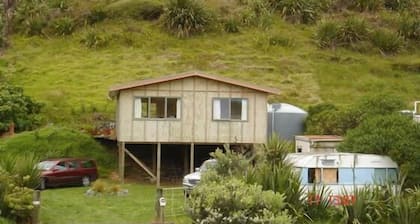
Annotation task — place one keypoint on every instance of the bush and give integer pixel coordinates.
(236, 202)
(398, 4)
(57, 142)
(93, 39)
(31, 17)
(302, 11)
(353, 30)
(368, 5)
(387, 41)
(136, 9)
(256, 13)
(328, 35)
(409, 28)
(63, 26)
(184, 18)
(231, 25)
(96, 15)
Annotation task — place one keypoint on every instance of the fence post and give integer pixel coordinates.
(37, 205)
(159, 194)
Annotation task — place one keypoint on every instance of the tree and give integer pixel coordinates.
(7, 17)
(17, 108)
(329, 119)
(393, 135)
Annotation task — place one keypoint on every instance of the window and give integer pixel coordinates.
(230, 109)
(330, 175)
(88, 164)
(392, 175)
(380, 176)
(314, 175)
(157, 107)
(363, 175)
(345, 176)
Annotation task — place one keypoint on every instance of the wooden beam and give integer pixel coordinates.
(142, 165)
(121, 161)
(192, 157)
(158, 164)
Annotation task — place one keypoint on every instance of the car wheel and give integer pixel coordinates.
(85, 181)
(42, 184)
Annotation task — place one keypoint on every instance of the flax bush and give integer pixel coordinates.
(300, 11)
(328, 35)
(184, 18)
(388, 42)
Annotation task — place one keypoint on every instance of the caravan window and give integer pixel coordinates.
(363, 175)
(379, 176)
(345, 176)
(314, 175)
(330, 175)
(392, 175)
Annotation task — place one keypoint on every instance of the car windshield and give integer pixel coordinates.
(46, 165)
(207, 165)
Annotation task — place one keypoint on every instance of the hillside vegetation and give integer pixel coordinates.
(69, 53)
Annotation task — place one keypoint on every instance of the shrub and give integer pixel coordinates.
(387, 41)
(93, 39)
(136, 9)
(99, 186)
(186, 17)
(353, 30)
(149, 10)
(231, 25)
(328, 35)
(236, 202)
(256, 13)
(368, 5)
(398, 4)
(31, 17)
(57, 142)
(303, 11)
(96, 15)
(409, 28)
(63, 26)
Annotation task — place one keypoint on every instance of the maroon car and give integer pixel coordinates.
(67, 171)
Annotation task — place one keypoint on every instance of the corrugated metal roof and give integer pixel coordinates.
(115, 89)
(341, 159)
(319, 137)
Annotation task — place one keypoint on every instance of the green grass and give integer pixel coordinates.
(72, 80)
(70, 205)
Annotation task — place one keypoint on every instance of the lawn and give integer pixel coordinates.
(71, 205)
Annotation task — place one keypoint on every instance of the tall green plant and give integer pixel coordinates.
(187, 17)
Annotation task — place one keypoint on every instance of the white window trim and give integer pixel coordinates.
(216, 103)
(137, 108)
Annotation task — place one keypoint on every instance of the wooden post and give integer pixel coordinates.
(158, 164)
(121, 161)
(192, 157)
(37, 205)
(154, 160)
(186, 165)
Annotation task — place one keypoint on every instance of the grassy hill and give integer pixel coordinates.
(73, 79)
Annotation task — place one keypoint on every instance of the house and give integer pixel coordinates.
(317, 143)
(188, 111)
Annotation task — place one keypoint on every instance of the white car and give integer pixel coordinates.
(192, 179)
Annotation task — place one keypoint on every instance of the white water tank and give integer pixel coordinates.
(285, 120)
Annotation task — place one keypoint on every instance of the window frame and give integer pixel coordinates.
(230, 109)
(135, 117)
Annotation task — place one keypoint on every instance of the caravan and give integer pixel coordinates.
(343, 173)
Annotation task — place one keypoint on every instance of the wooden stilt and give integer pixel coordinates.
(158, 164)
(192, 158)
(121, 161)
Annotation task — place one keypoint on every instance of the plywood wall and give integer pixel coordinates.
(196, 123)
